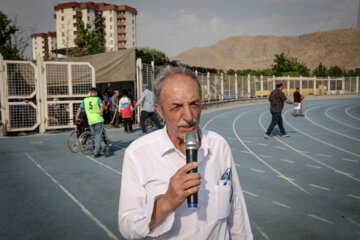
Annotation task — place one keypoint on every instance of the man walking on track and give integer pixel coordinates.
(147, 100)
(94, 109)
(298, 98)
(115, 108)
(277, 99)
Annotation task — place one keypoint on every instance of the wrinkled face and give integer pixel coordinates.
(180, 103)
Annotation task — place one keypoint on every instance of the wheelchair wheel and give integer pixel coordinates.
(86, 143)
(72, 142)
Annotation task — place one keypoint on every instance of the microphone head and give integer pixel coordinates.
(191, 140)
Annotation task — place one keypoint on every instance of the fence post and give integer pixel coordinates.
(314, 85)
(262, 85)
(236, 86)
(222, 86)
(274, 85)
(152, 75)
(248, 86)
(139, 80)
(343, 85)
(3, 100)
(208, 85)
(288, 86)
(300, 85)
(41, 88)
(329, 83)
(357, 84)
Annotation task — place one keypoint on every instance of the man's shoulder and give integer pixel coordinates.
(150, 140)
(212, 137)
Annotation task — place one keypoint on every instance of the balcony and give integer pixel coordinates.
(120, 16)
(121, 24)
(121, 39)
(121, 46)
(121, 31)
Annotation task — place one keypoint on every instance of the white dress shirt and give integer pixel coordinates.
(149, 163)
(147, 101)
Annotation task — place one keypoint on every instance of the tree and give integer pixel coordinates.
(87, 42)
(21, 38)
(7, 29)
(154, 52)
(335, 71)
(320, 71)
(285, 66)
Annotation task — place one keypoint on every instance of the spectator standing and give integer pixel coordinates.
(126, 109)
(105, 99)
(146, 101)
(115, 108)
(277, 99)
(298, 98)
(94, 109)
(155, 183)
(131, 96)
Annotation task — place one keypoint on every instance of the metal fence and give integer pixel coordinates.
(44, 95)
(224, 87)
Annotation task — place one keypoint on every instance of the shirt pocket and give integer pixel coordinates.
(223, 199)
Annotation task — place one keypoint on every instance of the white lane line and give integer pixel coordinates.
(321, 219)
(82, 207)
(265, 156)
(338, 121)
(350, 115)
(257, 170)
(262, 144)
(352, 221)
(350, 160)
(251, 194)
(245, 152)
(237, 164)
(323, 155)
(313, 159)
(261, 231)
(328, 129)
(247, 141)
(354, 196)
(312, 166)
(280, 204)
(317, 186)
(305, 152)
(260, 159)
(288, 161)
(212, 119)
(278, 147)
(104, 165)
(308, 135)
(36, 142)
(289, 179)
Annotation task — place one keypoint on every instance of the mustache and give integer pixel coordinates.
(187, 123)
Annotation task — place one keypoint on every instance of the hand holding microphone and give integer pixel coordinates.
(191, 144)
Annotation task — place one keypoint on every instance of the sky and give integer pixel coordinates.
(174, 26)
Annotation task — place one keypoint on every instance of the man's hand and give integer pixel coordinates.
(295, 103)
(182, 185)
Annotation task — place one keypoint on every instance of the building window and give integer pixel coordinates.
(133, 21)
(62, 25)
(110, 26)
(63, 41)
(110, 11)
(62, 10)
(62, 18)
(111, 41)
(110, 34)
(88, 10)
(75, 32)
(74, 25)
(133, 44)
(88, 18)
(111, 19)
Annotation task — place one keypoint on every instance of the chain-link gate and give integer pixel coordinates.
(45, 95)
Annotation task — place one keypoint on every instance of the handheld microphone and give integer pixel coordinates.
(191, 144)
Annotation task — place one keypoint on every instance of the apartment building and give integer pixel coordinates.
(117, 24)
(42, 44)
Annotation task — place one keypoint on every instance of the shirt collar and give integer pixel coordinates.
(168, 146)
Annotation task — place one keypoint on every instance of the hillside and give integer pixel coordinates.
(338, 47)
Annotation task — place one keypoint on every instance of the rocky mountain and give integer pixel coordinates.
(338, 47)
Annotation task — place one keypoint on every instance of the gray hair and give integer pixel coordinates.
(170, 71)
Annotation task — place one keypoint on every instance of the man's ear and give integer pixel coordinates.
(157, 108)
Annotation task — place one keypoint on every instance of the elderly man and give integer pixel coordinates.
(155, 182)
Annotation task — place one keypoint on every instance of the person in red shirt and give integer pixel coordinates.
(298, 98)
